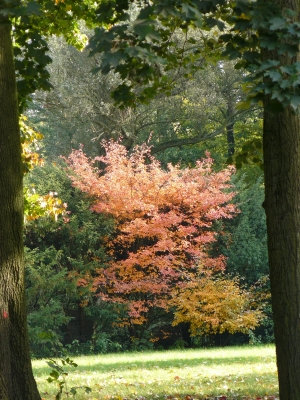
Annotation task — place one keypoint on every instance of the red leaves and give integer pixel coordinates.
(164, 220)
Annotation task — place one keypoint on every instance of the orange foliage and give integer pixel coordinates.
(163, 226)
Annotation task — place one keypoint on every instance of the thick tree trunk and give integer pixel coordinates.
(281, 140)
(282, 204)
(16, 378)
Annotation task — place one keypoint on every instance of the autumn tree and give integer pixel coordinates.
(163, 228)
(215, 305)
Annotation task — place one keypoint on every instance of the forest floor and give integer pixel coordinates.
(231, 373)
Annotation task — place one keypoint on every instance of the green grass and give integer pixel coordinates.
(246, 372)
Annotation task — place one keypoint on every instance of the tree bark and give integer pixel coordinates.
(281, 142)
(230, 128)
(16, 377)
(282, 204)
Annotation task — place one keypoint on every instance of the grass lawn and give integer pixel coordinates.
(247, 372)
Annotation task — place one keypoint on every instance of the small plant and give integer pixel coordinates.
(59, 376)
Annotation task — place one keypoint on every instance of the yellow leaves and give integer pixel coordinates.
(76, 38)
(244, 105)
(214, 305)
(36, 206)
(30, 143)
(244, 16)
(154, 339)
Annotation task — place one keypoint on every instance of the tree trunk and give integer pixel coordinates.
(16, 378)
(281, 140)
(282, 204)
(230, 129)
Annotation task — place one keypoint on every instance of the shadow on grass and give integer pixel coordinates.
(175, 363)
(163, 360)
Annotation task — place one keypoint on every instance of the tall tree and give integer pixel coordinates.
(15, 366)
(23, 58)
(281, 145)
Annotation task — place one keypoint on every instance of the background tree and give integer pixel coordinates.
(243, 240)
(79, 109)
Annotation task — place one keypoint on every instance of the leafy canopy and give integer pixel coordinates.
(139, 41)
(143, 49)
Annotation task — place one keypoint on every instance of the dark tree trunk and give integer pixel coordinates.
(282, 204)
(16, 378)
(281, 140)
(230, 130)
(186, 334)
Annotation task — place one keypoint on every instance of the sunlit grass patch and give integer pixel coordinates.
(184, 374)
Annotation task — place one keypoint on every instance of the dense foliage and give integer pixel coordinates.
(59, 254)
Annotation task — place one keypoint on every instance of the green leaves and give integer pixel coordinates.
(145, 29)
(33, 22)
(30, 61)
(277, 23)
(17, 9)
(295, 102)
(124, 94)
(133, 49)
(191, 12)
(251, 153)
(136, 49)
(112, 11)
(281, 82)
(276, 77)
(59, 376)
